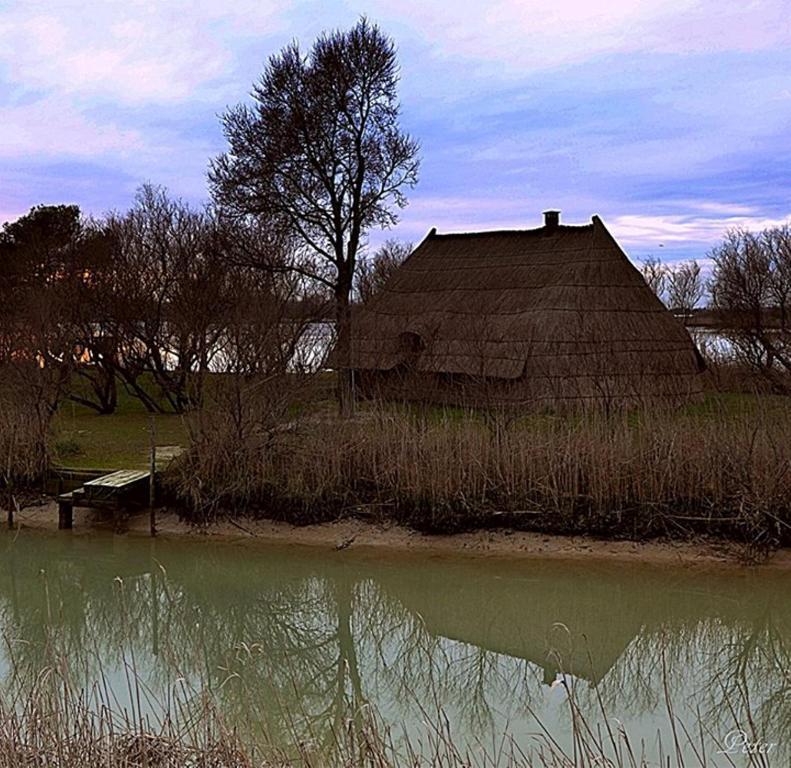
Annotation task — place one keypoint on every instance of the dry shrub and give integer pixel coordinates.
(235, 440)
(52, 723)
(25, 419)
(726, 372)
(723, 468)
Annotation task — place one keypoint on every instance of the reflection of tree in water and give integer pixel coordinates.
(45, 614)
(278, 660)
(405, 663)
(291, 644)
(747, 671)
(250, 648)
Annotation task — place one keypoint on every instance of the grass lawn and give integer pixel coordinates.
(85, 440)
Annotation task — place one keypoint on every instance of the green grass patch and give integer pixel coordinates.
(85, 440)
(120, 441)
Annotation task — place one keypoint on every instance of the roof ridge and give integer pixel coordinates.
(535, 230)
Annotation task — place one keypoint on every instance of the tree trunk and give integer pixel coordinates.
(343, 346)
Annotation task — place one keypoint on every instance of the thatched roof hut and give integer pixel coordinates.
(550, 316)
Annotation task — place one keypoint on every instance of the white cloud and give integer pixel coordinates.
(53, 128)
(530, 35)
(648, 230)
(135, 51)
(131, 51)
(722, 209)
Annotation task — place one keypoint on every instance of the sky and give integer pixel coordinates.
(670, 119)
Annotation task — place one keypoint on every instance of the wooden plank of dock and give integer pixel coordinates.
(120, 479)
(114, 490)
(116, 485)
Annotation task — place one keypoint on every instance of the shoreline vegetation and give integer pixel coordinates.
(54, 722)
(713, 474)
(721, 469)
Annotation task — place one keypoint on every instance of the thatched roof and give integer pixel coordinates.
(562, 304)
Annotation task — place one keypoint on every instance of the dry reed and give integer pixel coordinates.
(724, 468)
(24, 433)
(51, 721)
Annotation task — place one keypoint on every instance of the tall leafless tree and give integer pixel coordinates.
(321, 153)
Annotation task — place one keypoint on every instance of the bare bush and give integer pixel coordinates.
(267, 360)
(751, 290)
(25, 419)
(686, 287)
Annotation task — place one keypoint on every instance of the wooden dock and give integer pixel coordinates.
(117, 491)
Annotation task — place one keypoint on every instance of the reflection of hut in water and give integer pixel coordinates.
(548, 621)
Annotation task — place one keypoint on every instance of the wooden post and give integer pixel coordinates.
(152, 476)
(65, 514)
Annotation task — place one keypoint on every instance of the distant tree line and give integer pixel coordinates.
(156, 298)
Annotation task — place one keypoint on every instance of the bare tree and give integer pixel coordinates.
(94, 342)
(655, 274)
(751, 288)
(374, 271)
(686, 287)
(321, 154)
(167, 295)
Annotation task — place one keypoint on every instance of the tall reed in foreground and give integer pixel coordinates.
(51, 720)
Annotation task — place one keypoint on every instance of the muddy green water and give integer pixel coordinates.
(295, 639)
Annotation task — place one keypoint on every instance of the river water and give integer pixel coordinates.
(293, 641)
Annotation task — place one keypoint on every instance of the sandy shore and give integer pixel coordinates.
(358, 534)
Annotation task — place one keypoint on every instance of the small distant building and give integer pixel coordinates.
(547, 317)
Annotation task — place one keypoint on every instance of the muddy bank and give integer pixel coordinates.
(358, 534)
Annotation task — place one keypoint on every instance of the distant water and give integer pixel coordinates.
(296, 639)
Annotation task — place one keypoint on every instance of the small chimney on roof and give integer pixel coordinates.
(551, 219)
